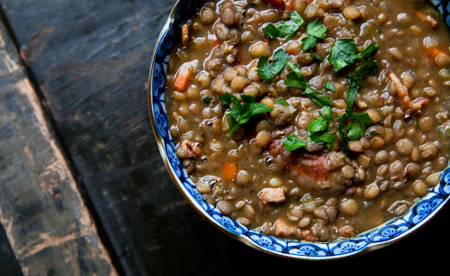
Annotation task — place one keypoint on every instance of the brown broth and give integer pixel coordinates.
(314, 193)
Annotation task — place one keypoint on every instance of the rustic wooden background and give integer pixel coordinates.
(83, 190)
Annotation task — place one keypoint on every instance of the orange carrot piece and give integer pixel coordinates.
(229, 170)
(182, 78)
(290, 6)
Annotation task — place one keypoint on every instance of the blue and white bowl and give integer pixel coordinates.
(387, 233)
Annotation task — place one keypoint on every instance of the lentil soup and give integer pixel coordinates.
(311, 120)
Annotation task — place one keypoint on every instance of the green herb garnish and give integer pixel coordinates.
(318, 128)
(308, 43)
(315, 30)
(268, 70)
(297, 80)
(285, 29)
(292, 143)
(343, 53)
(240, 113)
(330, 86)
(319, 99)
(282, 102)
(207, 99)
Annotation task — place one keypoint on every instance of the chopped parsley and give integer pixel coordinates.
(308, 43)
(240, 113)
(297, 80)
(330, 86)
(206, 99)
(368, 68)
(268, 70)
(285, 29)
(343, 53)
(282, 102)
(319, 99)
(315, 30)
(352, 127)
(292, 143)
(318, 128)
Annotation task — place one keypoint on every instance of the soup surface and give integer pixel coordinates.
(311, 120)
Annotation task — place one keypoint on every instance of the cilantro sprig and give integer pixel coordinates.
(297, 80)
(241, 112)
(318, 128)
(285, 29)
(268, 70)
(343, 53)
(315, 30)
(292, 142)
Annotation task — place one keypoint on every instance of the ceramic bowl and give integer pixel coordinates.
(387, 233)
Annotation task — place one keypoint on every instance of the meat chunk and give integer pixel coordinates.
(272, 195)
(282, 228)
(185, 35)
(319, 172)
(188, 149)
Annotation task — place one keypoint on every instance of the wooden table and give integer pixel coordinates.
(83, 188)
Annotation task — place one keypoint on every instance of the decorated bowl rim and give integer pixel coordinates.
(395, 229)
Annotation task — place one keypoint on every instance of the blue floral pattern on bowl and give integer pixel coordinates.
(387, 233)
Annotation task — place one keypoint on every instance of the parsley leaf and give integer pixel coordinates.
(330, 86)
(353, 88)
(342, 54)
(292, 143)
(351, 127)
(206, 99)
(319, 99)
(369, 67)
(295, 78)
(369, 51)
(267, 70)
(241, 113)
(282, 102)
(226, 98)
(285, 29)
(308, 42)
(271, 31)
(318, 128)
(316, 29)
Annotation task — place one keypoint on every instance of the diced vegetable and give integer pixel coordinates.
(182, 77)
(229, 170)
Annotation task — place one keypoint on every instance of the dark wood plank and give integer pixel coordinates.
(8, 262)
(45, 218)
(90, 59)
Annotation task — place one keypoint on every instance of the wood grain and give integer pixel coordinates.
(91, 61)
(44, 216)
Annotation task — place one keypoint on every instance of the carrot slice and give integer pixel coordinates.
(229, 170)
(182, 78)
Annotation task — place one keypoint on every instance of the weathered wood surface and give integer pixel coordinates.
(90, 60)
(46, 221)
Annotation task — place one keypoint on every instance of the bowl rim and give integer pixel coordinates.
(244, 239)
